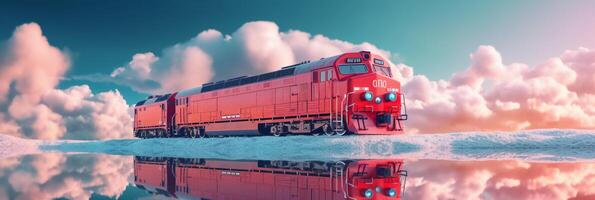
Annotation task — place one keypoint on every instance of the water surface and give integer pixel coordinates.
(547, 164)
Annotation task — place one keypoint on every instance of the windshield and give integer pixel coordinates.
(382, 70)
(353, 69)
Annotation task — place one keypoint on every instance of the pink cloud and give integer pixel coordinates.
(490, 95)
(30, 70)
(255, 47)
(434, 180)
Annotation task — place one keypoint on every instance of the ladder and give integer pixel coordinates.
(397, 126)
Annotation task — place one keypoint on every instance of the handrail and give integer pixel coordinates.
(346, 185)
(403, 105)
(403, 173)
(346, 106)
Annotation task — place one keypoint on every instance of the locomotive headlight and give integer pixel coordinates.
(367, 96)
(391, 192)
(390, 97)
(378, 100)
(368, 193)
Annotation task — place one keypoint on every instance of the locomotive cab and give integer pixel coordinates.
(374, 103)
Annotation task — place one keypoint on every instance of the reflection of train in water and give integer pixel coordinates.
(223, 179)
(348, 93)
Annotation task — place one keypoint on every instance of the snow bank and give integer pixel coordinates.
(13, 146)
(536, 145)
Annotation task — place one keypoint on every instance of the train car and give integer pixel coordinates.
(350, 179)
(154, 175)
(153, 117)
(348, 93)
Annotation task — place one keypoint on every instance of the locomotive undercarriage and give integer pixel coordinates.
(307, 127)
(313, 127)
(151, 133)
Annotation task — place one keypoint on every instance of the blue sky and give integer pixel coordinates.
(433, 37)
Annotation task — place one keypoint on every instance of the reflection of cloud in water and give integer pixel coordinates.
(431, 179)
(49, 176)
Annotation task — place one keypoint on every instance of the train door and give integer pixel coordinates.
(326, 89)
(330, 89)
(303, 98)
(163, 115)
(293, 99)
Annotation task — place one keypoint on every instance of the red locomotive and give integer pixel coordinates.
(348, 93)
(223, 179)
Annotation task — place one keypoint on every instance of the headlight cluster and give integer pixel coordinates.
(391, 192)
(368, 193)
(367, 96)
(389, 97)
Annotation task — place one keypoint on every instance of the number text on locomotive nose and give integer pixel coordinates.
(379, 83)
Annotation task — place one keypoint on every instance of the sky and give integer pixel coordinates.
(433, 37)
(72, 70)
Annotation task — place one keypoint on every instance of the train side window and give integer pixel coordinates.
(330, 74)
(322, 76)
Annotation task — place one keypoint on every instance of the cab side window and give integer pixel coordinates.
(329, 75)
(322, 76)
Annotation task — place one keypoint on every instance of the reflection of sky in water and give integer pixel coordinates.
(547, 164)
(84, 176)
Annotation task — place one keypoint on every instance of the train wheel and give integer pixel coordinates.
(341, 133)
(277, 130)
(327, 130)
(201, 133)
(316, 133)
(193, 133)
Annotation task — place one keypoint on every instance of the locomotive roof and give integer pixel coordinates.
(299, 68)
(153, 99)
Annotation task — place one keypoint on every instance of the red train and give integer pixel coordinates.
(223, 179)
(348, 93)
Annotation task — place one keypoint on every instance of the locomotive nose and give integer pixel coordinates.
(378, 105)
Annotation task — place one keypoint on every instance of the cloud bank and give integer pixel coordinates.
(488, 95)
(52, 176)
(31, 105)
(491, 95)
(254, 48)
(436, 180)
